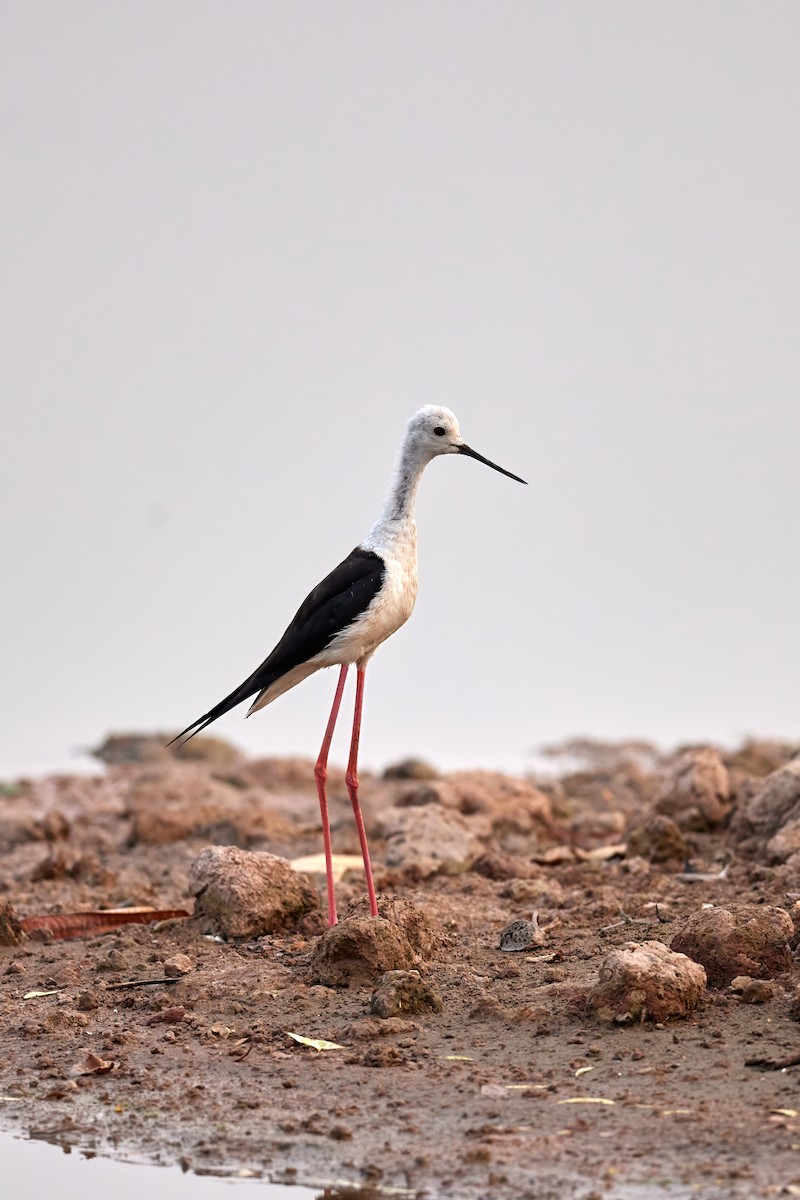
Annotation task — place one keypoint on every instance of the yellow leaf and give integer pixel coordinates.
(676, 1112)
(587, 1100)
(314, 1043)
(583, 1070)
(786, 1112)
(314, 864)
(458, 1058)
(32, 995)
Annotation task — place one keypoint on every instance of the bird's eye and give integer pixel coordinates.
(440, 431)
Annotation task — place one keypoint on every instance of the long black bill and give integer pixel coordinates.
(462, 449)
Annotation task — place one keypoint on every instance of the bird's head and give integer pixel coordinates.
(434, 430)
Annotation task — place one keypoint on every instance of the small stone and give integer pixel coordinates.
(88, 1002)
(10, 929)
(696, 793)
(539, 890)
(15, 968)
(360, 950)
(179, 964)
(243, 894)
(366, 1029)
(496, 865)
(66, 974)
(340, 1133)
(647, 981)
(429, 840)
(738, 939)
(659, 840)
(411, 768)
(404, 992)
(758, 991)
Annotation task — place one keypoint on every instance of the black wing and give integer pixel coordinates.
(327, 610)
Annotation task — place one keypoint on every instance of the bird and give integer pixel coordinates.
(346, 617)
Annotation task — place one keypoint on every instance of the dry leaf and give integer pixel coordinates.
(32, 995)
(458, 1058)
(602, 853)
(314, 864)
(586, 1100)
(315, 1043)
(93, 1065)
(583, 1070)
(786, 1112)
(556, 856)
(89, 924)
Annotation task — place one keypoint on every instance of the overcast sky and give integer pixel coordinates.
(243, 242)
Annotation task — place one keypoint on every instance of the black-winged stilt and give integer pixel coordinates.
(346, 617)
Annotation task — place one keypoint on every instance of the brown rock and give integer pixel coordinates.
(696, 792)
(404, 992)
(753, 991)
(179, 964)
(411, 768)
(769, 821)
(178, 801)
(366, 1028)
(10, 929)
(424, 936)
(427, 840)
(541, 890)
(65, 974)
(659, 840)
(360, 950)
(494, 864)
(646, 981)
(739, 939)
(511, 805)
(240, 894)
(122, 749)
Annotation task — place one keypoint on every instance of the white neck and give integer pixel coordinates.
(396, 522)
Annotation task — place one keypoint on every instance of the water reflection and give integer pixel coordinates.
(50, 1160)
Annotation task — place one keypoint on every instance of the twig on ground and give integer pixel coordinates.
(626, 920)
(134, 983)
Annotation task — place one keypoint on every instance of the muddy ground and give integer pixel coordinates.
(517, 1087)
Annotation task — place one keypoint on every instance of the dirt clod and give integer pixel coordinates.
(360, 950)
(659, 840)
(423, 933)
(10, 929)
(404, 992)
(696, 792)
(179, 964)
(740, 939)
(647, 981)
(241, 894)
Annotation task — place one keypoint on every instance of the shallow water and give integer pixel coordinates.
(33, 1167)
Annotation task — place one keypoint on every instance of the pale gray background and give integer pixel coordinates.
(243, 242)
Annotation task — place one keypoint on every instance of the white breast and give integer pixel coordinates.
(392, 606)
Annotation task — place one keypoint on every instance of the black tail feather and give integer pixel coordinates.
(245, 690)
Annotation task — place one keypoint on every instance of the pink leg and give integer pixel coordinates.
(321, 774)
(351, 779)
